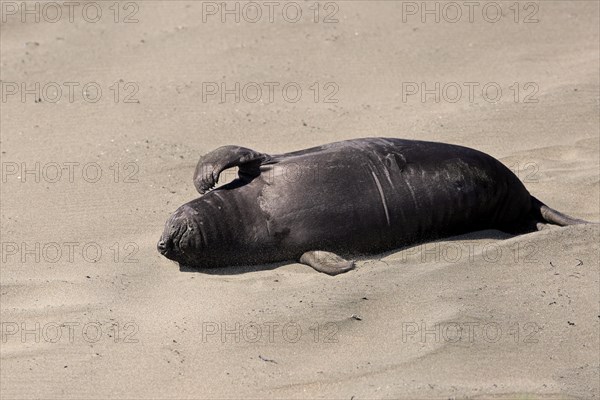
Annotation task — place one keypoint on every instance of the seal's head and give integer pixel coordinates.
(181, 240)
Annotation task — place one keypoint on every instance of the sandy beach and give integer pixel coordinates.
(106, 108)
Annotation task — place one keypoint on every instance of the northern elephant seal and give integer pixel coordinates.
(351, 197)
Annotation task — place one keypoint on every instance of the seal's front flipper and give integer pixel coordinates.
(212, 164)
(326, 262)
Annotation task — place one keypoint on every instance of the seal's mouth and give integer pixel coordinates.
(164, 247)
(178, 241)
(167, 248)
(169, 244)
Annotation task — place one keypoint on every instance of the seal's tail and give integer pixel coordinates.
(551, 216)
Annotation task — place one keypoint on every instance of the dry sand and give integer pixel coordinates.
(506, 317)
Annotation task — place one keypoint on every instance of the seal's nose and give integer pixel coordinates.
(161, 246)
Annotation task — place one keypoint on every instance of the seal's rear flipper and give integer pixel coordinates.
(326, 262)
(212, 164)
(545, 214)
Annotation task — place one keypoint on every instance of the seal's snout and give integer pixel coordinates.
(180, 239)
(165, 246)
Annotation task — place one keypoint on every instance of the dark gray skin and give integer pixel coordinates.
(353, 197)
